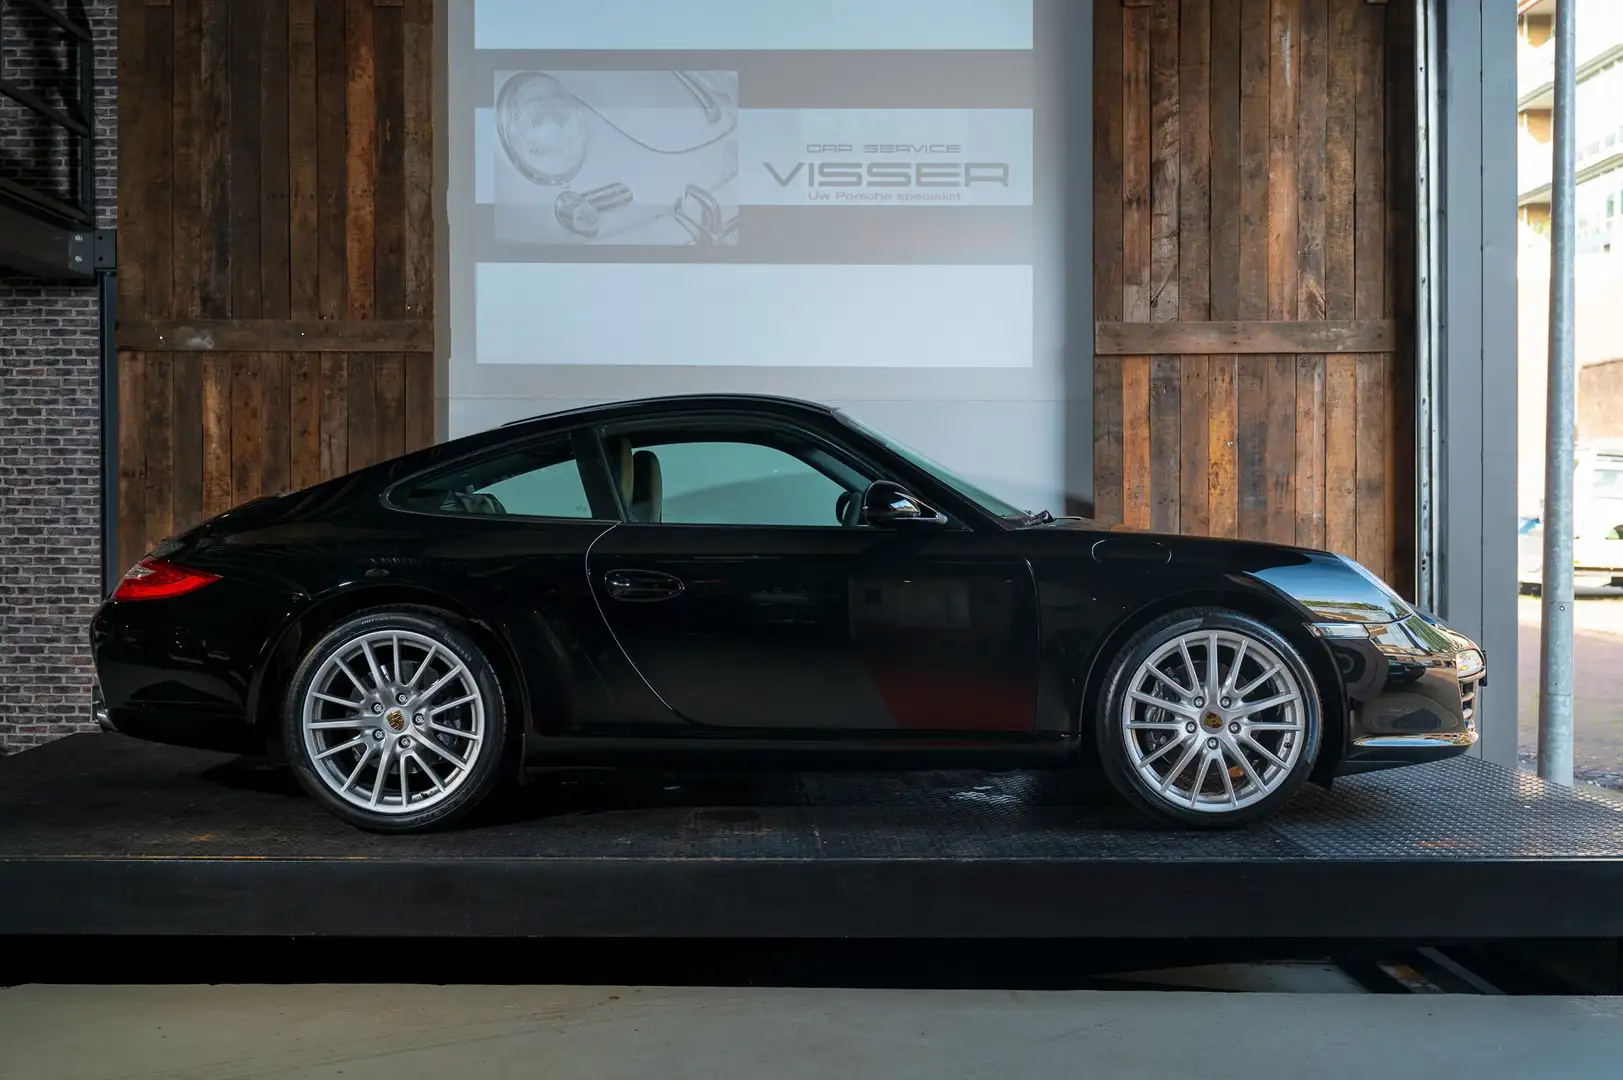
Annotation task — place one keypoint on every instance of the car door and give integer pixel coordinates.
(743, 590)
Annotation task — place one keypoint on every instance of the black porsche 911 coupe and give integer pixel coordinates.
(771, 580)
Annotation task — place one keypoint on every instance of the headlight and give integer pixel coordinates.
(542, 128)
(1469, 663)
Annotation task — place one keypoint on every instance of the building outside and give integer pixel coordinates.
(1599, 293)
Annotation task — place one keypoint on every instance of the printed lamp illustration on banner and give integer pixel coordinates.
(617, 157)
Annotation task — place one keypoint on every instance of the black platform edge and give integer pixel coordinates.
(101, 835)
(497, 898)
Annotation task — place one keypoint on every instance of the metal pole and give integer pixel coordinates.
(1555, 669)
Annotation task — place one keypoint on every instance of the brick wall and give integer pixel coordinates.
(1600, 402)
(50, 430)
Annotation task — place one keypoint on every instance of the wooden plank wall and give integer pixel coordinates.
(276, 249)
(1254, 279)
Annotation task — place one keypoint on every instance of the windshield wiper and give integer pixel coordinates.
(1041, 517)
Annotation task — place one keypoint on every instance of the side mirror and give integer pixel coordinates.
(889, 506)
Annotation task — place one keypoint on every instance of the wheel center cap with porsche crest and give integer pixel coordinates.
(396, 719)
(1212, 721)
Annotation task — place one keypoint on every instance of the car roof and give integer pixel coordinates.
(683, 402)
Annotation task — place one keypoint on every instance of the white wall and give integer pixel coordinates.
(938, 314)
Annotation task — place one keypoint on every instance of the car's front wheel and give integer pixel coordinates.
(1209, 719)
(395, 722)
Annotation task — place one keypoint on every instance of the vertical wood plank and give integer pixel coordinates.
(1312, 108)
(245, 163)
(1251, 376)
(419, 160)
(275, 455)
(1341, 372)
(1341, 454)
(1226, 201)
(1284, 70)
(389, 204)
(334, 415)
(135, 122)
(1136, 153)
(1369, 281)
(131, 461)
(1341, 119)
(157, 425)
(247, 426)
(156, 157)
(419, 369)
(1310, 451)
(391, 406)
(304, 414)
(1194, 257)
(1369, 165)
(1164, 428)
(332, 175)
(1251, 407)
(304, 202)
(218, 408)
(186, 410)
(362, 409)
(1311, 159)
(214, 161)
(360, 157)
(275, 147)
(188, 135)
(1135, 423)
(1165, 142)
(1108, 266)
(1401, 294)
(1372, 537)
(1252, 280)
(1195, 188)
(1222, 444)
(1136, 268)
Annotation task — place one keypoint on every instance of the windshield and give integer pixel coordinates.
(985, 500)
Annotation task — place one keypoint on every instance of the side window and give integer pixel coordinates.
(533, 481)
(717, 478)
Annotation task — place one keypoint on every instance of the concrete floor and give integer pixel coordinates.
(466, 1032)
(1597, 698)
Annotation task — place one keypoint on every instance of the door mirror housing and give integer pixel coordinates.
(886, 505)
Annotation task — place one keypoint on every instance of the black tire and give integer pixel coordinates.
(485, 769)
(1114, 754)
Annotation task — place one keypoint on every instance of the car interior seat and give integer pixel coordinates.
(647, 488)
(637, 474)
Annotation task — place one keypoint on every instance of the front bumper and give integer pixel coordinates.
(1408, 701)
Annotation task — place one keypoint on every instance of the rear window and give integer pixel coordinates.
(539, 480)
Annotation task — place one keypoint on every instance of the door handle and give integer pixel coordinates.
(642, 586)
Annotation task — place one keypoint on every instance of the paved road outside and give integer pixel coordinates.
(1597, 687)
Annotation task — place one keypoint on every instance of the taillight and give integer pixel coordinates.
(155, 579)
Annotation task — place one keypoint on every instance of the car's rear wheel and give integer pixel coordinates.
(396, 722)
(1209, 719)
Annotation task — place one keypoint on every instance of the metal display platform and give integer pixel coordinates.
(102, 835)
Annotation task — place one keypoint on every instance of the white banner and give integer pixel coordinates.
(766, 157)
(721, 315)
(752, 25)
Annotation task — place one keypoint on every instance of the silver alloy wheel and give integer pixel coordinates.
(393, 721)
(1213, 721)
